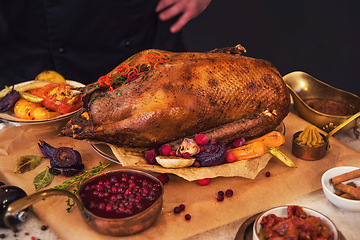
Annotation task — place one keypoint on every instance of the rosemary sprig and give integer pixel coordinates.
(78, 180)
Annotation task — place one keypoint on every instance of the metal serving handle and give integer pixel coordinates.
(343, 124)
(17, 206)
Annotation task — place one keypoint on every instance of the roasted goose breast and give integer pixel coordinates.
(220, 93)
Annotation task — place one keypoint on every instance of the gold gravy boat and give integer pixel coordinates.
(303, 87)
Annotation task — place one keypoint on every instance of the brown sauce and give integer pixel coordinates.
(331, 107)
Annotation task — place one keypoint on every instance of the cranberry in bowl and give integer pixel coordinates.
(121, 202)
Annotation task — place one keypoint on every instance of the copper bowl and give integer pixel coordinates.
(303, 87)
(306, 152)
(107, 226)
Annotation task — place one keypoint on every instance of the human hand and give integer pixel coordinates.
(188, 9)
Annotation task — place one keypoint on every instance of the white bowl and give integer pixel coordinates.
(281, 211)
(329, 190)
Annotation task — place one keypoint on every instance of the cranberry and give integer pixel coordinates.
(267, 174)
(150, 157)
(201, 139)
(187, 216)
(172, 153)
(108, 208)
(182, 207)
(164, 178)
(196, 164)
(177, 210)
(239, 142)
(230, 157)
(220, 198)
(204, 181)
(165, 149)
(213, 142)
(202, 149)
(229, 193)
(221, 193)
(186, 155)
(179, 154)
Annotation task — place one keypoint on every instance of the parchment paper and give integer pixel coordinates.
(250, 195)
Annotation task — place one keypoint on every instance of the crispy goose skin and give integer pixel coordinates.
(221, 93)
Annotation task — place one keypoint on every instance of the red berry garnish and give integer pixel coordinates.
(179, 154)
(150, 157)
(196, 164)
(221, 193)
(165, 149)
(220, 198)
(201, 139)
(186, 155)
(213, 142)
(177, 210)
(204, 181)
(182, 207)
(239, 142)
(229, 193)
(164, 178)
(267, 174)
(230, 157)
(172, 153)
(187, 217)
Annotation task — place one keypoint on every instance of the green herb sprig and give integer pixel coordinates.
(79, 179)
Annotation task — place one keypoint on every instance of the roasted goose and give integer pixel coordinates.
(155, 97)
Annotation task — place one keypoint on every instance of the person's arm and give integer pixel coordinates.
(188, 9)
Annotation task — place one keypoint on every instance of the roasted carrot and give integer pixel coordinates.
(250, 150)
(274, 138)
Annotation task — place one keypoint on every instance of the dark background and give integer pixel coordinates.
(321, 38)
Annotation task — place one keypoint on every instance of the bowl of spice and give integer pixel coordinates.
(341, 185)
(321, 104)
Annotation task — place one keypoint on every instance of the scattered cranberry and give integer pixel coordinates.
(2, 235)
(201, 139)
(267, 174)
(44, 227)
(186, 155)
(172, 153)
(179, 154)
(239, 142)
(177, 210)
(230, 157)
(165, 149)
(150, 157)
(182, 207)
(196, 164)
(187, 217)
(213, 142)
(164, 178)
(26, 233)
(221, 193)
(229, 193)
(204, 181)
(220, 198)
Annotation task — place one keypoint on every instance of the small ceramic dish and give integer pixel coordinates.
(281, 211)
(329, 190)
(304, 87)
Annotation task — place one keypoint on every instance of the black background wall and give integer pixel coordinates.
(319, 37)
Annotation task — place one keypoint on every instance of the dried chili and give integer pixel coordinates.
(130, 73)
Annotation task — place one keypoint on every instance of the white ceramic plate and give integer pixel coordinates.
(10, 116)
(329, 190)
(281, 211)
